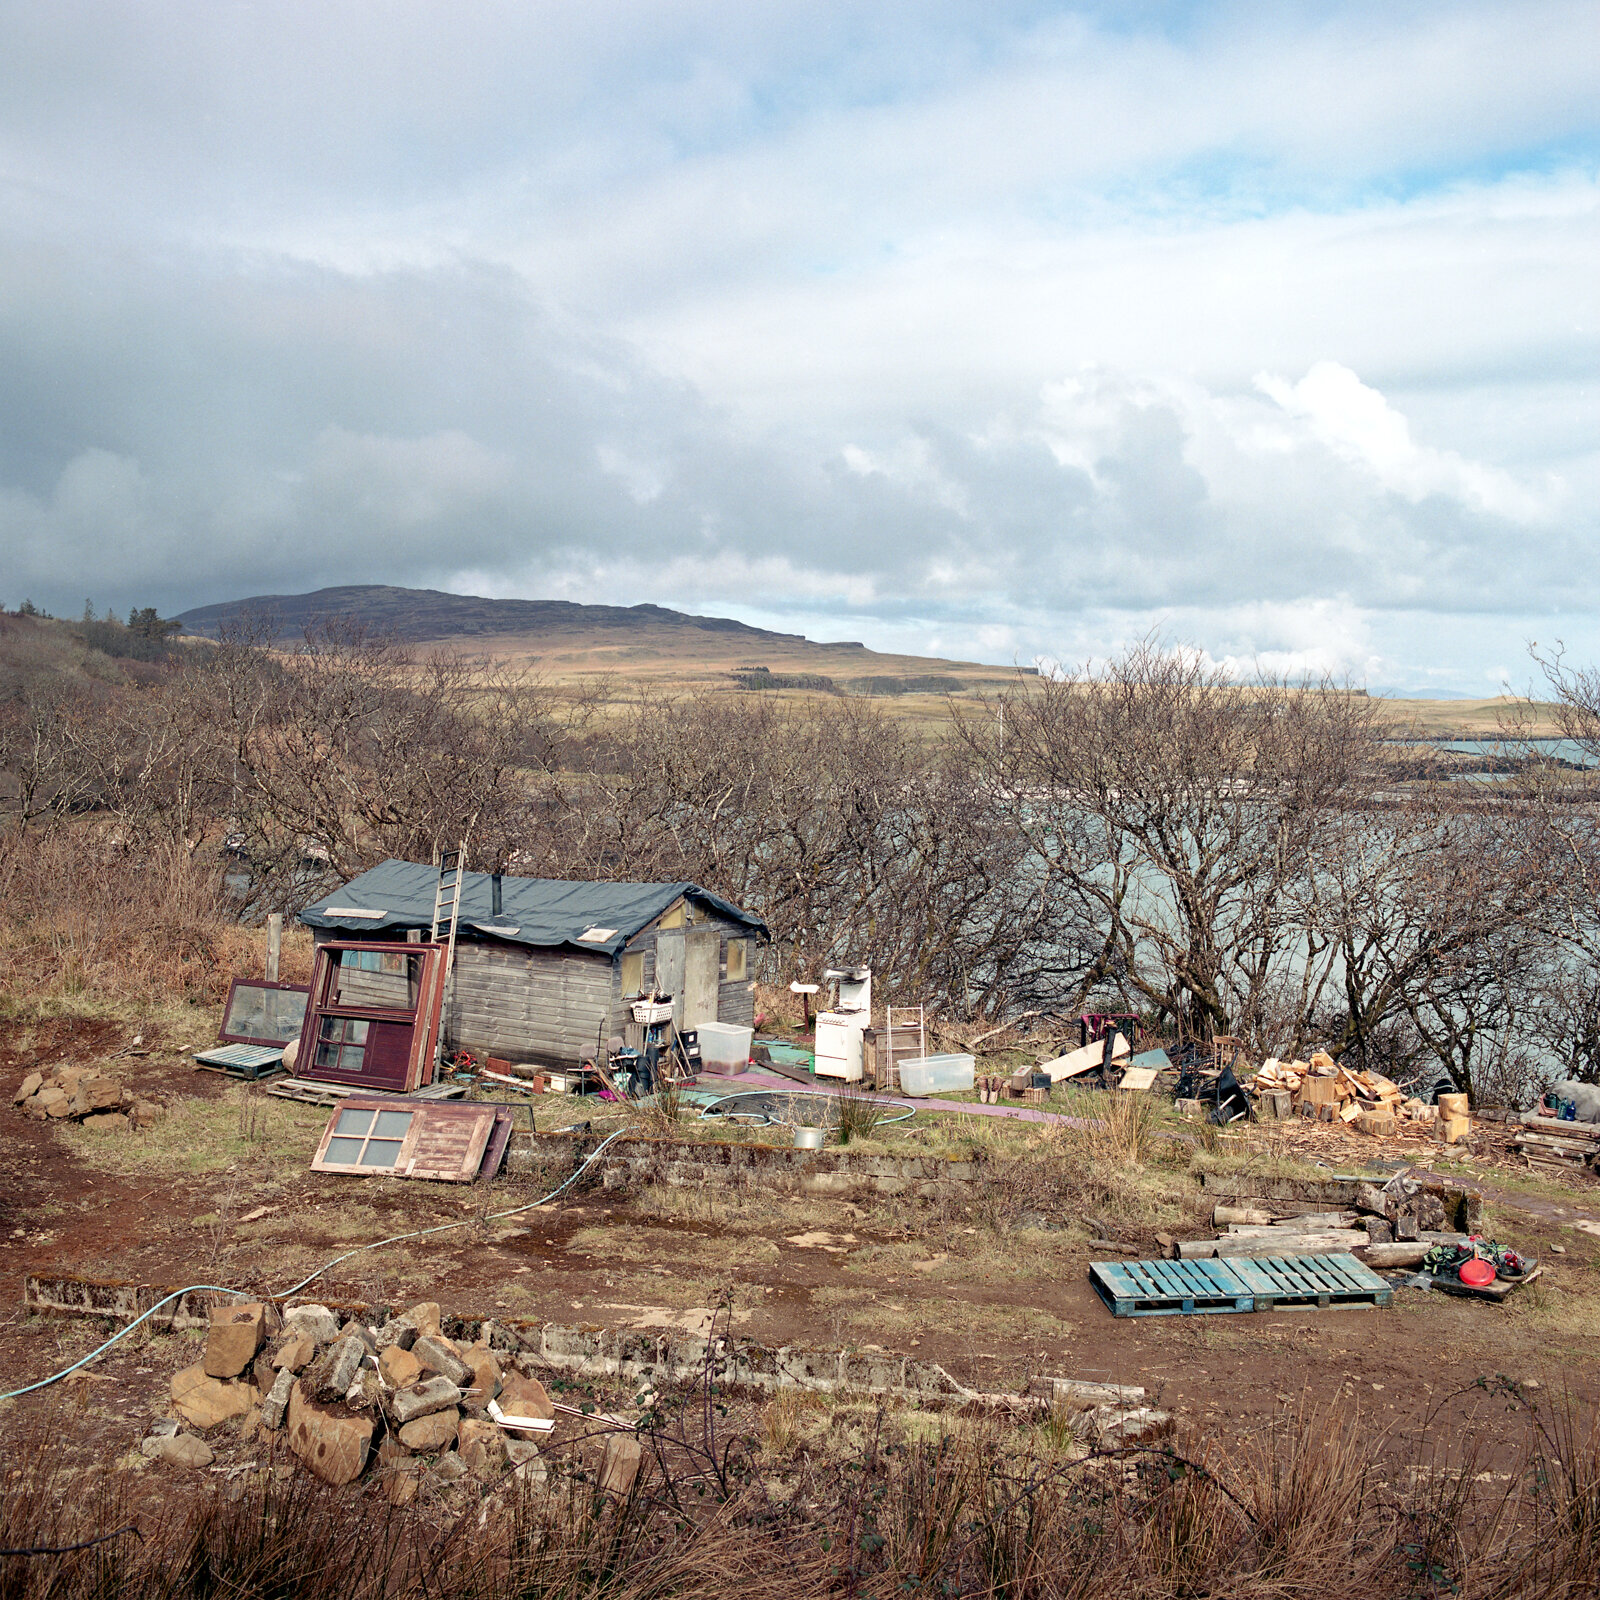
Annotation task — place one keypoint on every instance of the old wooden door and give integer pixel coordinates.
(669, 969)
(702, 955)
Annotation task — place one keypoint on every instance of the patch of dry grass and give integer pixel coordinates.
(241, 1128)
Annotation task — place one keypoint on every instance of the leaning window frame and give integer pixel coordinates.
(423, 1019)
(261, 983)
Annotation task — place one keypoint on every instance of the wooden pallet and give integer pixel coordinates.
(308, 1092)
(1209, 1287)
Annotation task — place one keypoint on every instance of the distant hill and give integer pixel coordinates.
(430, 614)
(566, 642)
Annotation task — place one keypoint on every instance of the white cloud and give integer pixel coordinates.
(1360, 426)
(1007, 328)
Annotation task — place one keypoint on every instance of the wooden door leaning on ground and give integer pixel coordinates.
(702, 954)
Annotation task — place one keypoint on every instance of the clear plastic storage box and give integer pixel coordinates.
(921, 1075)
(724, 1046)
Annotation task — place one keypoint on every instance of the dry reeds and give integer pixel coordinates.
(1304, 1512)
(1123, 1130)
(858, 1115)
(92, 919)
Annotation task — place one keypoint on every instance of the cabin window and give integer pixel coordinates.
(738, 959)
(633, 972)
(673, 918)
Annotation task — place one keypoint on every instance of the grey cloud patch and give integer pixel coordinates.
(198, 427)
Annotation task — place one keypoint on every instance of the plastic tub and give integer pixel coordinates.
(724, 1046)
(920, 1075)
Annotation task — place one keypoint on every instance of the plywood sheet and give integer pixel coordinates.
(1083, 1059)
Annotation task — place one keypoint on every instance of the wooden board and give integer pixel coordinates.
(310, 1093)
(1138, 1078)
(1083, 1059)
(1211, 1287)
(702, 950)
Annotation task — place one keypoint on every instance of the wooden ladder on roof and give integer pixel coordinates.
(452, 866)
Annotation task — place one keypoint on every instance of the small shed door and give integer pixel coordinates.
(669, 969)
(701, 958)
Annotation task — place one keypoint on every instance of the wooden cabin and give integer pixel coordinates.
(546, 970)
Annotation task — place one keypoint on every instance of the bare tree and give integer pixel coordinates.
(1183, 811)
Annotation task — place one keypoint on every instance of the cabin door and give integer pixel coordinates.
(702, 955)
(669, 969)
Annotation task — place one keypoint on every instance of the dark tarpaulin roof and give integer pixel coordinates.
(545, 912)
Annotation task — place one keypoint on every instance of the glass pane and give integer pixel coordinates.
(343, 1152)
(392, 1125)
(327, 1055)
(381, 1153)
(355, 1030)
(391, 989)
(331, 1028)
(352, 1124)
(247, 1013)
(285, 1012)
(351, 1058)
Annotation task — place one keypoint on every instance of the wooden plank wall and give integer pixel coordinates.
(530, 1005)
(736, 1002)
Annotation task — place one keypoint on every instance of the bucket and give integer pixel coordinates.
(809, 1138)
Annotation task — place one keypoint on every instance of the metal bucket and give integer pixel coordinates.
(810, 1138)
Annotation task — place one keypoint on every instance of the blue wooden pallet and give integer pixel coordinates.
(1211, 1286)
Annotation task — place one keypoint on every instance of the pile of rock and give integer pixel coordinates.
(86, 1095)
(346, 1395)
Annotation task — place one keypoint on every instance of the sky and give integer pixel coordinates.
(1005, 331)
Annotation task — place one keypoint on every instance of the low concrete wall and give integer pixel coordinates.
(634, 1160)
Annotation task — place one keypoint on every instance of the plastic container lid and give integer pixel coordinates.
(1476, 1273)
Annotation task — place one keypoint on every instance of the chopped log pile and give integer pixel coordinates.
(1324, 1091)
(1389, 1227)
(1543, 1141)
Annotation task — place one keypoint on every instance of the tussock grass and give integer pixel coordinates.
(827, 1499)
(94, 924)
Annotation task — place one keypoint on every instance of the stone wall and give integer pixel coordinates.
(631, 1356)
(634, 1160)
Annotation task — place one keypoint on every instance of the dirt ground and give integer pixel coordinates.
(220, 1194)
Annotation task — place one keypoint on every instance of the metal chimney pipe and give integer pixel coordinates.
(494, 896)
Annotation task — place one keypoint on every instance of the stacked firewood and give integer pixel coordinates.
(1322, 1090)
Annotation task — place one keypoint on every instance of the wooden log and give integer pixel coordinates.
(1312, 1222)
(1380, 1124)
(1221, 1216)
(1271, 1244)
(1454, 1130)
(1548, 1141)
(1532, 1122)
(1318, 1091)
(1393, 1255)
(1452, 1105)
